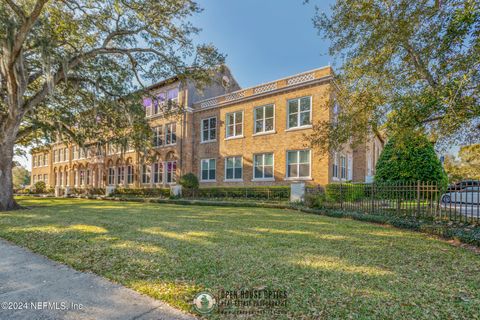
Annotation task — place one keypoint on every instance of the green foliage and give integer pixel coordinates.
(265, 193)
(467, 166)
(336, 192)
(40, 187)
(189, 181)
(21, 177)
(142, 192)
(409, 158)
(405, 65)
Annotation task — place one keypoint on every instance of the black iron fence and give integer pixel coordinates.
(460, 202)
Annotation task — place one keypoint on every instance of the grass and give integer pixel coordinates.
(330, 268)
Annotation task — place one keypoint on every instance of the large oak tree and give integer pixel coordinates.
(404, 65)
(74, 68)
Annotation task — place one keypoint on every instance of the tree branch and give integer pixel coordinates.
(16, 9)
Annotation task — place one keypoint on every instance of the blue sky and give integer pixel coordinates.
(264, 39)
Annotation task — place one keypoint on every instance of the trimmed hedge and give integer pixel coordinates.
(336, 192)
(142, 192)
(268, 193)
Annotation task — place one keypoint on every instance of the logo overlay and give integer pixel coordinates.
(204, 303)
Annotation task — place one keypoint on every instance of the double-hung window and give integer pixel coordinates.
(158, 136)
(298, 164)
(233, 168)
(264, 118)
(234, 124)
(299, 112)
(147, 103)
(111, 176)
(263, 166)
(170, 134)
(171, 173)
(343, 167)
(335, 166)
(208, 168)
(209, 129)
(120, 175)
(130, 174)
(146, 173)
(158, 172)
(172, 96)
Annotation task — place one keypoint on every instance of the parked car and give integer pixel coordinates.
(463, 184)
(468, 195)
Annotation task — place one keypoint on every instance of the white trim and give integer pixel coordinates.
(273, 166)
(263, 133)
(299, 112)
(201, 170)
(209, 141)
(262, 179)
(209, 128)
(234, 137)
(225, 169)
(234, 121)
(308, 126)
(263, 124)
(309, 177)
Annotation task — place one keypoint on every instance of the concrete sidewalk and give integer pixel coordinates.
(30, 281)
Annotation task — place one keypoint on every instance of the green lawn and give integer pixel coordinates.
(331, 268)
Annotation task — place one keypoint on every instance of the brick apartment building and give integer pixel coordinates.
(225, 135)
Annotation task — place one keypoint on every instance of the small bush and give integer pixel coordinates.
(336, 192)
(143, 192)
(40, 187)
(189, 181)
(254, 193)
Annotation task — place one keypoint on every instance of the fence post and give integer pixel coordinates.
(341, 196)
(418, 198)
(373, 197)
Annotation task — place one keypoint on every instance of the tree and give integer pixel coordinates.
(467, 166)
(406, 65)
(75, 69)
(21, 177)
(410, 158)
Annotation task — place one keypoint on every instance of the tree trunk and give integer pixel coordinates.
(6, 182)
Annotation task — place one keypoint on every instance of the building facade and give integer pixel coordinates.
(225, 135)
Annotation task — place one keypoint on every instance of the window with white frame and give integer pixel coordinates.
(34, 179)
(299, 112)
(87, 177)
(75, 152)
(130, 172)
(161, 98)
(233, 168)
(263, 166)
(170, 134)
(158, 172)
(65, 154)
(172, 95)
(111, 176)
(343, 167)
(209, 169)
(146, 173)
(158, 136)
(55, 159)
(120, 175)
(234, 124)
(264, 118)
(82, 177)
(298, 164)
(335, 166)
(34, 161)
(171, 174)
(147, 103)
(209, 129)
(45, 159)
(45, 178)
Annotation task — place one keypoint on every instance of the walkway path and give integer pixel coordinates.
(47, 289)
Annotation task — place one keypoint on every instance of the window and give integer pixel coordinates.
(233, 168)
(170, 134)
(298, 164)
(343, 167)
(158, 102)
(82, 177)
(299, 112)
(45, 178)
(147, 103)
(54, 157)
(120, 175)
(65, 154)
(172, 95)
(111, 176)
(146, 173)
(34, 179)
(209, 129)
(335, 166)
(263, 166)
(75, 152)
(158, 172)
(209, 169)
(87, 177)
(171, 176)
(264, 119)
(234, 125)
(45, 160)
(34, 161)
(158, 136)
(130, 174)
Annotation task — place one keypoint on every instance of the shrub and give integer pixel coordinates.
(263, 193)
(40, 187)
(189, 181)
(410, 157)
(143, 192)
(336, 192)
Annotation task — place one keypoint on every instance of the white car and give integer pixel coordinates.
(470, 195)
